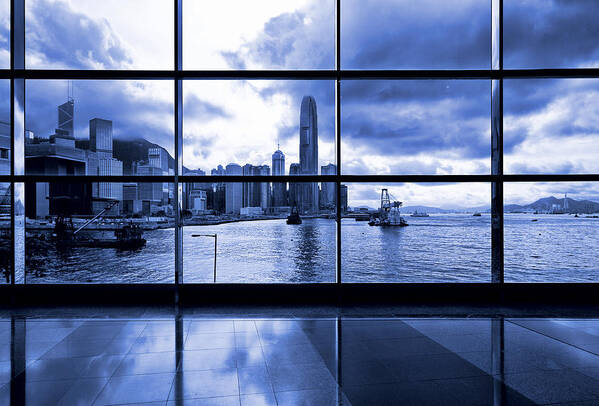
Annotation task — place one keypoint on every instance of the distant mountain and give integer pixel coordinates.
(547, 204)
(425, 209)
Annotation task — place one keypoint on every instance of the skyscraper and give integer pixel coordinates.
(100, 137)
(100, 142)
(158, 158)
(234, 191)
(278, 169)
(308, 199)
(328, 188)
(294, 188)
(65, 117)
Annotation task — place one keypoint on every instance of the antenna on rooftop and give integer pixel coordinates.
(70, 91)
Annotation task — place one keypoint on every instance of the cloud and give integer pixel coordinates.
(551, 33)
(199, 109)
(58, 37)
(138, 109)
(299, 39)
(427, 34)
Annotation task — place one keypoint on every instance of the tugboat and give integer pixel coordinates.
(389, 214)
(294, 217)
(128, 237)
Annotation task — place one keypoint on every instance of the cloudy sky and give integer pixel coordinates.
(388, 127)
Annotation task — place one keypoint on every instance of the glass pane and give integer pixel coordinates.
(4, 34)
(550, 34)
(551, 126)
(5, 233)
(425, 34)
(5, 155)
(99, 128)
(434, 127)
(551, 232)
(90, 34)
(252, 241)
(74, 237)
(264, 34)
(5, 194)
(423, 233)
(255, 124)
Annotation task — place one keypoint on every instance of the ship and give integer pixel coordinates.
(294, 217)
(127, 237)
(389, 214)
(419, 214)
(477, 214)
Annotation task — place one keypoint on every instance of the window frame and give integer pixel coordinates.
(18, 74)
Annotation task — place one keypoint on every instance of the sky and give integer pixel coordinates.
(388, 127)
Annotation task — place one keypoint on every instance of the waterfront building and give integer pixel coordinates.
(4, 148)
(294, 188)
(234, 191)
(218, 171)
(308, 197)
(131, 202)
(100, 142)
(328, 195)
(57, 155)
(343, 198)
(150, 193)
(278, 188)
(198, 201)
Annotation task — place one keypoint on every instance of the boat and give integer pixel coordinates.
(389, 214)
(294, 217)
(127, 237)
(419, 214)
(477, 214)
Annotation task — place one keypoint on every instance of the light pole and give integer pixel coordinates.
(215, 236)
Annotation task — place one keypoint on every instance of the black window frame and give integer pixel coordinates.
(18, 74)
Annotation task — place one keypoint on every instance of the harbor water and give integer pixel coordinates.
(439, 248)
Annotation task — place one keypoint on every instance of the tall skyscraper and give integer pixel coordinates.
(100, 142)
(308, 199)
(278, 188)
(294, 188)
(234, 191)
(100, 137)
(158, 158)
(65, 117)
(328, 188)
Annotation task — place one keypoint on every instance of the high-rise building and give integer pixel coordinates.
(278, 188)
(100, 142)
(158, 158)
(294, 188)
(343, 198)
(308, 199)
(219, 171)
(100, 137)
(65, 117)
(262, 189)
(328, 188)
(234, 191)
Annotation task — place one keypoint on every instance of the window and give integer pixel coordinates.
(141, 121)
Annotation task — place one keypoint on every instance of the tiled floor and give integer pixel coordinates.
(293, 361)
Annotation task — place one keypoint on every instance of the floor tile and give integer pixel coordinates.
(554, 386)
(254, 380)
(136, 389)
(205, 384)
(149, 363)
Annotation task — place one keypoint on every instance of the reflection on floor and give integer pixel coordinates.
(335, 361)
